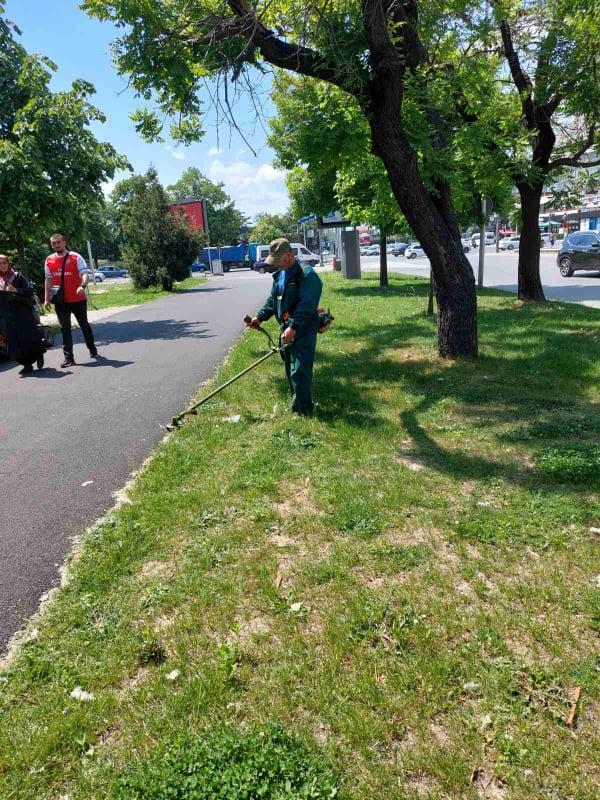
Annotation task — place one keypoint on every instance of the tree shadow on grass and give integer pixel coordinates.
(536, 361)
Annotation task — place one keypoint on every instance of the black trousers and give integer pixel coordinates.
(79, 310)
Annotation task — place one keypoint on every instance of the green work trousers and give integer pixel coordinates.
(299, 359)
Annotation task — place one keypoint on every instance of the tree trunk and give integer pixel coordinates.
(430, 294)
(430, 215)
(383, 270)
(530, 284)
(435, 225)
(20, 245)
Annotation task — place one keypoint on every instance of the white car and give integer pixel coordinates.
(510, 243)
(302, 253)
(414, 250)
(99, 277)
(490, 238)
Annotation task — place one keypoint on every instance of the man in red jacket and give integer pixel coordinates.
(76, 278)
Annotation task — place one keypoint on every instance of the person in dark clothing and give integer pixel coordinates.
(294, 300)
(24, 341)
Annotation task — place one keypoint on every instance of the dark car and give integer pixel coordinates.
(579, 251)
(200, 266)
(113, 272)
(399, 249)
(262, 266)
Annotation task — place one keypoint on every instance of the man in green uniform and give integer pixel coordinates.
(294, 300)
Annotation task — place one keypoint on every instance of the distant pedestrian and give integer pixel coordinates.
(67, 276)
(19, 321)
(551, 240)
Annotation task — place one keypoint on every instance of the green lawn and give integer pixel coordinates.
(394, 599)
(108, 295)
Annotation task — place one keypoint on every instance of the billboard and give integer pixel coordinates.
(195, 211)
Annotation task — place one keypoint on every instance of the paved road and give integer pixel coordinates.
(501, 273)
(97, 422)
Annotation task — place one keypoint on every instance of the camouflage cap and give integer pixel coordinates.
(277, 249)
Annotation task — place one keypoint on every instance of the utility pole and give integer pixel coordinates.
(497, 233)
(481, 243)
(91, 258)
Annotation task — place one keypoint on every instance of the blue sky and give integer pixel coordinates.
(80, 48)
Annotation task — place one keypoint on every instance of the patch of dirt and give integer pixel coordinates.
(420, 784)
(132, 683)
(487, 785)
(466, 590)
(164, 622)
(249, 630)
(440, 735)
(299, 502)
(157, 569)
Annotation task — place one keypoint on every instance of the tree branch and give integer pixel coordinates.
(293, 57)
(574, 160)
(520, 78)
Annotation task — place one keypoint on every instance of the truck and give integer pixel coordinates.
(239, 255)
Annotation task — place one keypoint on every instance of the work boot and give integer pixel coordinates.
(40, 362)
(27, 368)
(68, 362)
(94, 353)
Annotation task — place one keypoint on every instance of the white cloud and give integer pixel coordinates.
(214, 151)
(175, 153)
(253, 187)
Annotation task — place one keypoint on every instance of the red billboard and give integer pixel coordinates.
(194, 210)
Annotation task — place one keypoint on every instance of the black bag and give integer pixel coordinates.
(57, 293)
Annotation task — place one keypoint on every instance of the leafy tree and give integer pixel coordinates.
(552, 52)
(51, 165)
(384, 56)
(273, 226)
(158, 246)
(225, 222)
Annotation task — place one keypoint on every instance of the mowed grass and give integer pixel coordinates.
(406, 586)
(108, 295)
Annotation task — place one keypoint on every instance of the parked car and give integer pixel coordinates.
(364, 250)
(399, 248)
(302, 253)
(199, 266)
(262, 267)
(466, 247)
(579, 251)
(373, 250)
(414, 250)
(98, 277)
(490, 238)
(113, 272)
(510, 243)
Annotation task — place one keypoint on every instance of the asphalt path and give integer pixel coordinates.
(501, 273)
(71, 438)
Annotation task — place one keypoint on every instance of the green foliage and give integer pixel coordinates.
(265, 762)
(52, 167)
(158, 246)
(577, 464)
(273, 226)
(226, 224)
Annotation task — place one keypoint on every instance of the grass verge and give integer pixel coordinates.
(398, 596)
(125, 294)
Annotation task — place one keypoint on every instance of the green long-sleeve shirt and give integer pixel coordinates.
(298, 304)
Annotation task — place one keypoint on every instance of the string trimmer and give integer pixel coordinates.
(192, 410)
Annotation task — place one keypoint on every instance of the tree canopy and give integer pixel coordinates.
(52, 167)
(273, 226)
(157, 246)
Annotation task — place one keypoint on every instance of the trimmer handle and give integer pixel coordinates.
(247, 319)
